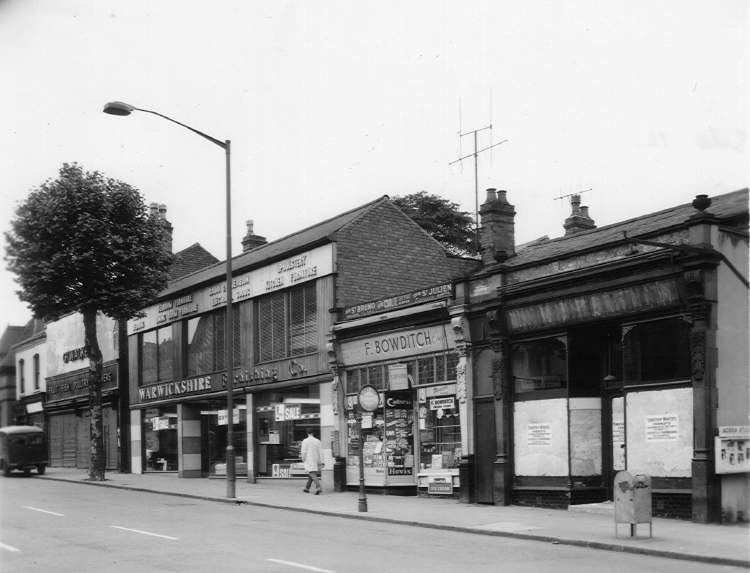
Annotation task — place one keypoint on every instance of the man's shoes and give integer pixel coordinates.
(306, 490)
(317, 492)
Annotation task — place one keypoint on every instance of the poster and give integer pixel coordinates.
(539, 434)
(665, 428)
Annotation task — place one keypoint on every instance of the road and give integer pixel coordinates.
(47, 525)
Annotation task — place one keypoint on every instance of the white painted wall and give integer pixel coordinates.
(67, 334)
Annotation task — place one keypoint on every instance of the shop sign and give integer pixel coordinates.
(398, 378)
(281, 470)
(539, 434)
(440, 485)
(81, 353)
(732, 454)
(662, 428)
(442, 403)
(223, 418)
(396, 344)
(284, 412)
(76, 384)
(292, 271)
(400, 301)
(617, 302)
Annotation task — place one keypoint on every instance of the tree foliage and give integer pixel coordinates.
(88, 244)
(442, 219)
(83, 241)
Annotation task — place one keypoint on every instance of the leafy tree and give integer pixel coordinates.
(88, 244)
(442, 219)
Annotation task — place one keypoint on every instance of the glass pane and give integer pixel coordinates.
(452, 363)
(657, 351)
(148, 357)
(375, 376)
(352, 382)
(426, 370)
(539, 365)
(200, 345)
(439, 433)
(219, 337)
(165, 353)
(440, 368)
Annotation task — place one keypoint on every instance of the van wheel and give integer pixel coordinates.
(26, 472)
(40, 469)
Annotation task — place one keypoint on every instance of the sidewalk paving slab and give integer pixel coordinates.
(709, 543)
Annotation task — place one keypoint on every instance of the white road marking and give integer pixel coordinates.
(301, 566)
(42, 510)
(145, 532)
(9, 548)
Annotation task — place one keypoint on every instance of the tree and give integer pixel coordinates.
(88, 244)
(442, 219)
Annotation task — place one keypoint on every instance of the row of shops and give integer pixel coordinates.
(529, 377)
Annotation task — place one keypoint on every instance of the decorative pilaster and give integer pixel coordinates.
(503, 392)
(706, 486)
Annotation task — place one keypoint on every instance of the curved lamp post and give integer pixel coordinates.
(121, 108)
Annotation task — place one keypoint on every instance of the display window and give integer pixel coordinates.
(439, 428)
(282, 420)
(160, 439)
(214, 423)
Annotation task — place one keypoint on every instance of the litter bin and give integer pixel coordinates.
(633, 501)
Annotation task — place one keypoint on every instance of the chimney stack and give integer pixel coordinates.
(579, 219)
(160, 211)
(497, 234)
(252, 241)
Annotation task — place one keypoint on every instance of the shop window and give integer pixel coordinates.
(282, 422)
(21, 377)
(657, 351)
(36, 372)
(214, 423)
(357, 378)
(157, 355)
(205, 343)
(160, 439)
(439, 432)
(287, 323)
(426, 369)
(539, 365)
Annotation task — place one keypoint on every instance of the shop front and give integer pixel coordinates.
(68, 418)
(413, 440)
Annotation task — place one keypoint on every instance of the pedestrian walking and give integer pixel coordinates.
(311, 457)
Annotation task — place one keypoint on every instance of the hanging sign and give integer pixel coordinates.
(442, 403)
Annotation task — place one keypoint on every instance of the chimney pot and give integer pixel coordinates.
(251, 241)
(491, 196)
(502, 196)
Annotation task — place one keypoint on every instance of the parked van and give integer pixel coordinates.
(23, 448)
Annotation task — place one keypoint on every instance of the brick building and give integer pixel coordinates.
(613, 348)
(287, 294)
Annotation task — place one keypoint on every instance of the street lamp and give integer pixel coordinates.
(121, 108)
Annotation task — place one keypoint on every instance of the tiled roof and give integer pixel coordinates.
(726, 206)
(11, 335)
(190, 260)
(274, 250)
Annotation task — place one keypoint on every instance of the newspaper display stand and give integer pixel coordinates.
(633, 501)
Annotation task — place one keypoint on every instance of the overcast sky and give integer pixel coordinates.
(330, 105)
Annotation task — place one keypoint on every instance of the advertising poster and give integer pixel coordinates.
(399, 437)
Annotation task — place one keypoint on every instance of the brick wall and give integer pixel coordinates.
(383, 253)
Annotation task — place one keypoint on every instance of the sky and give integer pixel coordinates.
(332, 104)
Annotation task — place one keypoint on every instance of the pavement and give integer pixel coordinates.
(591, 526)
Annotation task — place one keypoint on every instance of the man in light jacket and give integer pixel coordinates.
(311, 457)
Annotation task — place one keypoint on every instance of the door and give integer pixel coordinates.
(613, 438)
(485, 450)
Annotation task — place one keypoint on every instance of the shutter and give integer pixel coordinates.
(70, 440)
(56, 435)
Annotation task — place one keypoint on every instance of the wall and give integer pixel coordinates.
(384, 253)
(66, 335)
(732, 368)
(541, 437)
(659, 432)
(26, 353)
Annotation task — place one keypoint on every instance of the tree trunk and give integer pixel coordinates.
(97, 460)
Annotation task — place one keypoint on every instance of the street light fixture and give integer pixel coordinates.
(122, 109)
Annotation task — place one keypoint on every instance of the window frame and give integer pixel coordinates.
(267, 323)
(37, 372)
(21, 376)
